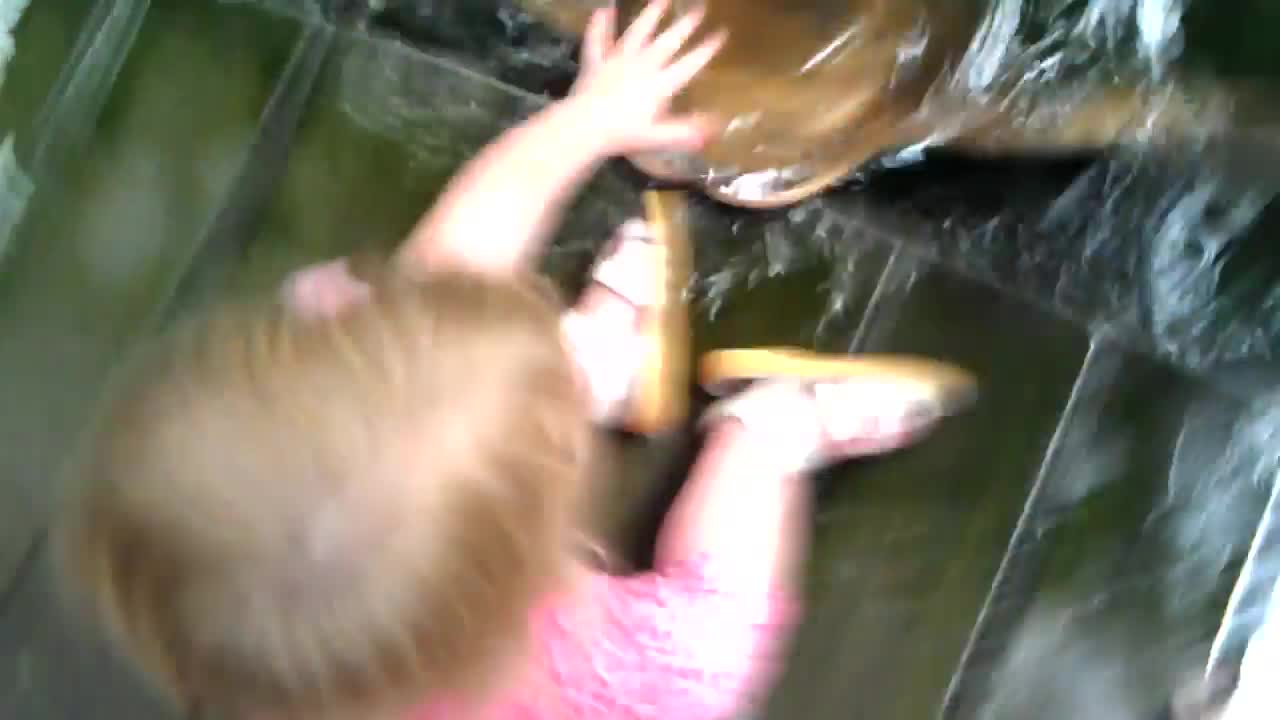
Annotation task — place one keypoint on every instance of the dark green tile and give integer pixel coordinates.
(43, 41)
(907, 546)
(385, 129)
(105, 238)
(755, 287)
(57, 666)
(1131, 550)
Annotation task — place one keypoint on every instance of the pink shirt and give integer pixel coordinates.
(683, 644)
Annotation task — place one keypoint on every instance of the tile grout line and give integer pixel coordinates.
(81, 90)
(1254, 587)
(892, 288)
(233, 223)
(72, 106)
(73, 103)
(280, 117)
(22, 569)
(1098, 369)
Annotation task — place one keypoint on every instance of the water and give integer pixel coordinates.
(1067, 550)
(1250, 598)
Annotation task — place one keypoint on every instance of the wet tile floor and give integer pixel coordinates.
(1064, 551)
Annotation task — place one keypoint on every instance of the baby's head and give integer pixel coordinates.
(284, 516)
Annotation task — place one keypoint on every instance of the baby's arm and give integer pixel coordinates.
(701, 635)
(499, 211)
(744, 511)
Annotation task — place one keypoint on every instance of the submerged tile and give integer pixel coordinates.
(384, 130)
(908, 545)
(98, 252)
(1119, 581)
(57, 666)
(32, 52)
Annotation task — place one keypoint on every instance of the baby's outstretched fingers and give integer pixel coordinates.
(625, 89)
(667, 44)
(682, 71)
(638, 36)
(598, 39)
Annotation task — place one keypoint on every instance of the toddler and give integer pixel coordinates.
(364, 501)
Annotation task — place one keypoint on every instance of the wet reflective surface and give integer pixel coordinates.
(127, 155)
(810, 92)
(1065, 551)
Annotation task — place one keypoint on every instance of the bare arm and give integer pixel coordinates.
(745, 504)
(703, 635)
(499, 211)
(496, 215)
(742, 508)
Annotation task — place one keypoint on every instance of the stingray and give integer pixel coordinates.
(808, 92)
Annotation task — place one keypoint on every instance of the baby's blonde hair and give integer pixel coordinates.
(283, 516)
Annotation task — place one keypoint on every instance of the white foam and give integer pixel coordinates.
(1256, 696)
(15, 185)
(15, 190)
(10, 13)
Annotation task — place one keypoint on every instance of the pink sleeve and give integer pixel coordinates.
(680, 645)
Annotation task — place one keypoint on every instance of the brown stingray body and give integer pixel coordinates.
(806, 91)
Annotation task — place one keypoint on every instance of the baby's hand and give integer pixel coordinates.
(625, 86)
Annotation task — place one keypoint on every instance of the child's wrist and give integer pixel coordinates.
(582, 118)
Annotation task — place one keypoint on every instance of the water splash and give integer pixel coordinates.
(1255, 696)
(1220, 467)
(16, 185)
(1247, 609)
(10, 13)
(1022, 45)
(16, 188)
(1092, 674)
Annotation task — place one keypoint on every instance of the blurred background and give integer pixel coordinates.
(1076, 547)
